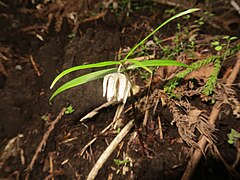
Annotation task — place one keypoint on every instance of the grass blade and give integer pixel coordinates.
(85, 66)
(83, 79)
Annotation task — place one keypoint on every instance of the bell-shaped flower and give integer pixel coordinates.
(116, 86)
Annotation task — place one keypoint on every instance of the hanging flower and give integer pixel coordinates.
(116, 86)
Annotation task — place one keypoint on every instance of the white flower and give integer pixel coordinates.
(116, 86)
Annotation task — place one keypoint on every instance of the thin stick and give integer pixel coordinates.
(160, 128)
(96, 110)
(3, 4)
(236, 6)
(35, 66)
(193, 162)
(43, 142)
(51, 164)
(105, 155)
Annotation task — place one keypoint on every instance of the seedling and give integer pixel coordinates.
(69, 110)
(72, 35)
(119, 162)
(233, 137)
(217, 46)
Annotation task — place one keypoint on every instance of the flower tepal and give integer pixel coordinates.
(116, 86)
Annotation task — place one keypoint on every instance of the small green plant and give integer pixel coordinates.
(123, 65)
(72, 35)
(200, 21)
(119, 162)
(225, 51)
(217, 46)
(233, 137)
(69, 110)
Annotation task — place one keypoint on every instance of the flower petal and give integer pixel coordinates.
(122, 86)
(105, 84)
(111, 88)
(127, 91)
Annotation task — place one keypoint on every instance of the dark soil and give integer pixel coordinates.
(25, 94)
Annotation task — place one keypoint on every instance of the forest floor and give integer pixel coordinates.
(40, 39)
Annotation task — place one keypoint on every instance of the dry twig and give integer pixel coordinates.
(35, 66)
(160, 128)
(192, 164)
(43, 142)
(96, 110)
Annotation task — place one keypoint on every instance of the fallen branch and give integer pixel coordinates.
(43, 142)
(105, 155)
(193, 162)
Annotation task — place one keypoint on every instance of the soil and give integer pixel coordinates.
(25, 93)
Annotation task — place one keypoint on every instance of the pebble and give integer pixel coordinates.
(18, 67)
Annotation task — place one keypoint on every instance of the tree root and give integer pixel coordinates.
(192, 164)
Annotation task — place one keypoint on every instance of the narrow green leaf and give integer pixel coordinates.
(233, 38)
(85, 66)
(82, 80)
(158, 62)
(140, 64)
(160, 26)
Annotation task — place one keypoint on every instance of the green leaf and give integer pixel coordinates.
(140, 64)
(159, 27)
(215, 43)
(230, 136)
(119, 162)
(69, 110)
(226, 37)
(218, 48)
(158, 62)
(85, 66)
(230, 141)
(82, 80)
(235, 133)
(233, 38)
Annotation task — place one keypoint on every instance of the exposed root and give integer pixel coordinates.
(105, 155)
(192, 164)
(43, 142)
(238, 155)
